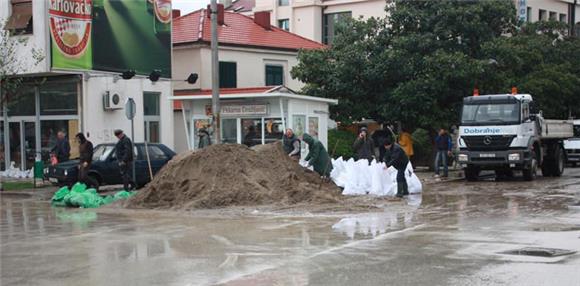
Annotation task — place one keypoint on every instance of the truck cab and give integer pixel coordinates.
(572, 145)
(507, 132)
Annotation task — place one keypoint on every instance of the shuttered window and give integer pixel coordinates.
(228, 77)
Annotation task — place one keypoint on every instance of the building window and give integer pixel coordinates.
(284, 24)
(529, 15)
(58, 99)
(542, 15)
(553, 16)
(228, 77)
(23, 103)
(563, 18)
(20, 21)
(283, 2)
(330, 22)
(274, 75)
(152, 116)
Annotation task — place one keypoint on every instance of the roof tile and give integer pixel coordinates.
(238, 30)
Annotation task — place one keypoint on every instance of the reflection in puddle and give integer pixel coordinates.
(374, 224)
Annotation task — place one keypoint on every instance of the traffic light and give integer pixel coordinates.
(128, 74)
(154, 75)
(192, 79)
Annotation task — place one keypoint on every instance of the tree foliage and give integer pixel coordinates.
(417, 65)
(11, 63)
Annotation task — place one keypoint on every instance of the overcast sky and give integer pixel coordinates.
(187, 6)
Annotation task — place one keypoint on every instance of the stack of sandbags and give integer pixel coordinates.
(361, 178)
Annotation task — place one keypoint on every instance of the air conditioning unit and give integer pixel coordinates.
(112, 101)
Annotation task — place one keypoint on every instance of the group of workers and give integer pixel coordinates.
(61, 153)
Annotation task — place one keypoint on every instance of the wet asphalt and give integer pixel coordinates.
(455, 233)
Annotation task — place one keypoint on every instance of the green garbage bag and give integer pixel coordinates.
(79, 187)
(59, 195)
(85, 200)
(121, 195)
(108, 199)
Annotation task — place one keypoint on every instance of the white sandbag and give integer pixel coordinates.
(413, 181)
(353, 183)
(376, 171)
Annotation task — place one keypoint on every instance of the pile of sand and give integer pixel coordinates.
(234, 175)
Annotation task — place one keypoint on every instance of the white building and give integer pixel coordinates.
(255, 58)
(72, 101)
(316, 19)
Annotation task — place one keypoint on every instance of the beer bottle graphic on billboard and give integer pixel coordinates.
(70, 23)
(162, 10)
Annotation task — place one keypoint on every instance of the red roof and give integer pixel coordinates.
(237, 30)
(177, 104)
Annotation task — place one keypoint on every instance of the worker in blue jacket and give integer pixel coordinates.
(444, 146)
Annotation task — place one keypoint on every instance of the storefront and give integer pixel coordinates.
(35, 115)
(255, 118)
(47, 105)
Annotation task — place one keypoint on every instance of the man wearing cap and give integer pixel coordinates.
(363, 146)
(125, 158)
(396, 157)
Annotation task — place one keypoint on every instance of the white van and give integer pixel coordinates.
(572, 145)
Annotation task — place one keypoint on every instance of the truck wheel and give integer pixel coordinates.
(471, 173)
(530, 173)
(558, 162)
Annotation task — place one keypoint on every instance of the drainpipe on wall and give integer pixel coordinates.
(6, 136)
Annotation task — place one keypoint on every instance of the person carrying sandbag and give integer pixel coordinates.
(317, 156)
(396, 157)
(85, 160)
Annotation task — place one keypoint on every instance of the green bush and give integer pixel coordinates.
(422, 147)
(345, 140)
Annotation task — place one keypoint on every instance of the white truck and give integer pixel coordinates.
(506, 132)
(572, 145)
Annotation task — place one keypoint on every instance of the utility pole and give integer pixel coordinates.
(573, 19)
(215, 78)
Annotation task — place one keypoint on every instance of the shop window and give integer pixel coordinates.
(284, 24)
(151, 112)
(48, 136)
(228, 77)
(20, 21)
(274, 75)
(23, 102)
(529, 15)
(553, 16)
(542, 15)
(283, 2)
(330, 22)
(251, 131)
(229, 131)
(563, 18)
(58, 99)
(313, 129)
(273, 130)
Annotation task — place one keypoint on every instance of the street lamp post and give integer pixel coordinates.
(215, 100)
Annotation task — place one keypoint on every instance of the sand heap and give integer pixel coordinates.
(233, 175)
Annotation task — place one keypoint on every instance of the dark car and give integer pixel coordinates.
(105, 167)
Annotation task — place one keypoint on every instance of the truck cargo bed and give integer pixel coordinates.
(557, 129)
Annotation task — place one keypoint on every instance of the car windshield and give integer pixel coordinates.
(474, 114)
(102, 152)
(577, 131)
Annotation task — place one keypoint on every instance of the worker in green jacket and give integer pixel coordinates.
(317, 156)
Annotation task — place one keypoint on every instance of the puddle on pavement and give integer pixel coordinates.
(540, 252)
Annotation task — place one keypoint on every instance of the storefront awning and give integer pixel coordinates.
(246, 93)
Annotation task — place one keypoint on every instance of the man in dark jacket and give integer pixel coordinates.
(124, 152)
(62, 148)
(363, 146)
(317, 156)
(85, 160)
(444, 147)
(291, 144)
(396, 157)
(204, 139)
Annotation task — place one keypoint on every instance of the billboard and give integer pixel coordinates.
(111, 35)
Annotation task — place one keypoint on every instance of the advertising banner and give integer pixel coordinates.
(111, 35)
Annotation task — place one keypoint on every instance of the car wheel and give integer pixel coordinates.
(96, 180)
